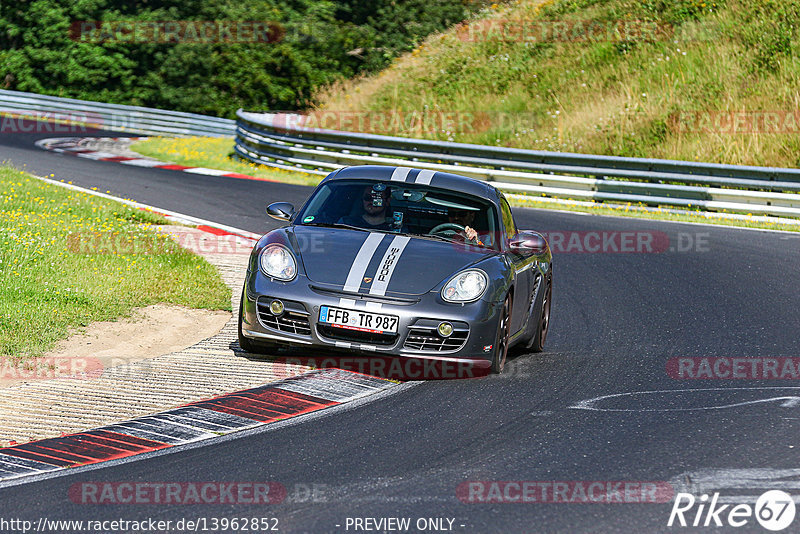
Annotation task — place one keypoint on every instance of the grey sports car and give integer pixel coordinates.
(399, 263)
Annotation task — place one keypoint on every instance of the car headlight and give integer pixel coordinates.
(278, 262)
(466, 286)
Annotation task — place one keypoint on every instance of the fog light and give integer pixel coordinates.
(276, 307)
(445, 329)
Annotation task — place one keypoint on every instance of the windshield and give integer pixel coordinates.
(411, 209)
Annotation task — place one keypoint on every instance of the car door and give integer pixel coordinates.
(523, 272)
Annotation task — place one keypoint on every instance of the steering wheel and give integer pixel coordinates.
(451, 229)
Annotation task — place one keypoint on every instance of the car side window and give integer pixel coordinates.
(508, 219)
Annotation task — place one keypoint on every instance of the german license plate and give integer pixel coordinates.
(361, 321)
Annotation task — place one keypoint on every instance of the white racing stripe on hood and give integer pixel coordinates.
(388, 264)
(361, 262)
(352, 304)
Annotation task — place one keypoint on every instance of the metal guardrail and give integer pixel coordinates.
(276, 140)
(113, 117)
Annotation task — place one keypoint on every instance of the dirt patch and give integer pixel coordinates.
(149, 332)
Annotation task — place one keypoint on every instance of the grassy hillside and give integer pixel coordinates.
(652, 94)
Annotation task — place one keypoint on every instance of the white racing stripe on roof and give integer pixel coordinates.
(361, 262)
(388, 264)
(424, 177)
(400, 174)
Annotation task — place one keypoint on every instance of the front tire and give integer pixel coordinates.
(543, 325)
(503, 334)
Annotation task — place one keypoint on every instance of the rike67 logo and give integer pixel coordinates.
(774, 510)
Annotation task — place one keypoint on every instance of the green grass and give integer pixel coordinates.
(214, 153)
(620, 96)
(53, 278)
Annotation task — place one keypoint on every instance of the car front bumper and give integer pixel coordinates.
(468, 351)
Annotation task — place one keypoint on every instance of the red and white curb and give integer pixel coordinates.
(74, 146)
(193, 422)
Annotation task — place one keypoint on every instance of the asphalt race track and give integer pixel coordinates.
(618, 319)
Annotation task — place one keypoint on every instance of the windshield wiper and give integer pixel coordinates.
(453, 240)
(336, 225)
(440, 238)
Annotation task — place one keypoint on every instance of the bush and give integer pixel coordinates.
(323, 41)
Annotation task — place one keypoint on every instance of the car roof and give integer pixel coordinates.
(442, 180)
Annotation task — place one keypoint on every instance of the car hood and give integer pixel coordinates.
(380, 264)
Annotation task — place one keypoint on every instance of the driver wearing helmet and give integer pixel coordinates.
(374, 211)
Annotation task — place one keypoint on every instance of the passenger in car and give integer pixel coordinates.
(465, 218)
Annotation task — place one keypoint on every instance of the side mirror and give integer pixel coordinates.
(527, 243)
(282, 211)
